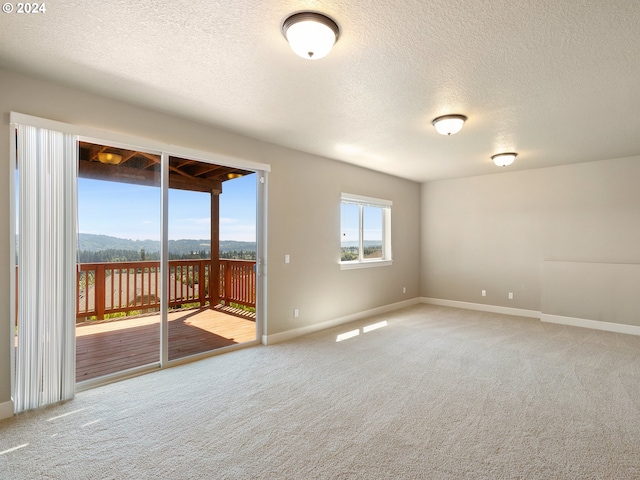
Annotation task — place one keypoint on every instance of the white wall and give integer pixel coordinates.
(303, 209)
(496, 232)
(603, 292)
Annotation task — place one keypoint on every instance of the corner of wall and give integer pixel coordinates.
(6, 410)
(518, 312)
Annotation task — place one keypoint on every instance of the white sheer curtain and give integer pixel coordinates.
(47, 198)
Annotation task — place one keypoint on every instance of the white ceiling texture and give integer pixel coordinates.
(557, 81)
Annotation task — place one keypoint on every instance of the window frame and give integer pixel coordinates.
(385, 206)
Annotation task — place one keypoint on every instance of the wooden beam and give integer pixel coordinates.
(179, 172)
(202, 169)
(118, 173)
(195, 184)
(150, 156)
(136, 176)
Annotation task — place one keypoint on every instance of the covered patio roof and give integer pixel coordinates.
(100, 162)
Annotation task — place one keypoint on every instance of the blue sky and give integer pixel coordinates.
(350, 224)
(133, 211)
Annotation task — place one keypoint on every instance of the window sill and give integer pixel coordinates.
(354, 265)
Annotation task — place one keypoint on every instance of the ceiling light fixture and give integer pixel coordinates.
(504, 159)
(109, 158)
(310, 34)
(449, 124)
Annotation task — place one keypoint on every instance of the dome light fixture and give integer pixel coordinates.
(449, 124)
(504, 159)
(109, 158)
(311, 35)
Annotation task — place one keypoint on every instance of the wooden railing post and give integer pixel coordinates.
(228, 283)
(219, 279)
(201, 282)
(100, 285)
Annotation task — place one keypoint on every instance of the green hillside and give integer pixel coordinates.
(95, 243)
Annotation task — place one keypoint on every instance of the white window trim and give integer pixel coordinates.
(363, 201)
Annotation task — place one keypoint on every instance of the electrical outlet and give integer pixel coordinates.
(404, 289)
(296, 313)
(287, 259)
(510, 295)
(484, 293)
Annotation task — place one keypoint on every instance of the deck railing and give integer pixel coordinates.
(131, 287)
(238, 282)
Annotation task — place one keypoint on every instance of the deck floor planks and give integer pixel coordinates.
(109, 347)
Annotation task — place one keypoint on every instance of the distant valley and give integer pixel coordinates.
(94, 243)
(104, 248)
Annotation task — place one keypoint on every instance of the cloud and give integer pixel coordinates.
(238, 231)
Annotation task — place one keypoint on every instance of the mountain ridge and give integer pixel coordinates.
(94, 243)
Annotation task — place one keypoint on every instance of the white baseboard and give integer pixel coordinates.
(6, 409)
(519, 312)
(298, 332)
(593, 324)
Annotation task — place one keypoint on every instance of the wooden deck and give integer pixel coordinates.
(108, 347)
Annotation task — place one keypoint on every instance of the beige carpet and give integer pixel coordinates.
(438, 393)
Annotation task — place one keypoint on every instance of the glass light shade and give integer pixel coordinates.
(109, 158)
(310, 35)
(449, 124)
(504, 159)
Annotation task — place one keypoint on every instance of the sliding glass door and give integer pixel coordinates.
(212, 254)
(119, 272)
(160, 263)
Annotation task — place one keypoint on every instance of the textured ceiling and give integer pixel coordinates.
(556, 81)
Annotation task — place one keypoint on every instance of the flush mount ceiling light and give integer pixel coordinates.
(449, 124)
(109, 158)
(310, 34)
(504, 159)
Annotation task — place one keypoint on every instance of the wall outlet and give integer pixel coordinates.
(510, 295)
(484, 293)
(296, 313)
(287, 259)
(404, 289)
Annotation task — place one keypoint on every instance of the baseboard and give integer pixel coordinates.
(519, 312)
(298, 332)
(545, 317)
(593, 324)
(6, 410)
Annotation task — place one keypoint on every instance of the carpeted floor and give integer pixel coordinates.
(437, 393)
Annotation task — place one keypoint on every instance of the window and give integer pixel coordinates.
(365, 231)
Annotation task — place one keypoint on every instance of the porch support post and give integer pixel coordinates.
(214, 271)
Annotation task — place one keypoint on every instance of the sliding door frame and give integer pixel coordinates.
(114, 139)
